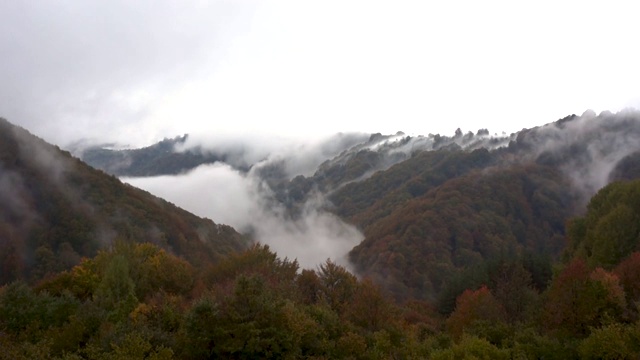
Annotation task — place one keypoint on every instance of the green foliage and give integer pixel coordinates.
(528, 343)
(615, 236)
(257, 305)
(153, 269)
(135, 347)
(614, 341)
(202, 329)
(255, 325)
(116, 291)
(338, 285)
(81, 281)
(610, 230)
(252, 323)
(471, 347)
(24, 313)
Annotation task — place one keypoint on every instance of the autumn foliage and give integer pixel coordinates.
(464, 257)
(473, 306)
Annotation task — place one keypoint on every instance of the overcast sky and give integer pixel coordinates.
(138, 71)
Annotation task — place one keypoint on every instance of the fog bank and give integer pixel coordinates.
(243, 201)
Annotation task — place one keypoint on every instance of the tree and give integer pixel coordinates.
(252, 323)
(338, 285)
(614, 236)
(116, 291)
(610, 230)
(135, 347)
(257, 260)
(628, 271)
(471, 307)
(471, 347)
(309, 286)
(578, 300)
(370, 309)
(154, 270)
(202, 329)
(27, 314)
(514, 291)
(609, 342)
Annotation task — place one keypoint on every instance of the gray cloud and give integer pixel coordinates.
(46, 160)
(587, 148)
(137, 71)
(298, 156)
(216, 191)
(245, 202)
(12, 193)
(94, 69)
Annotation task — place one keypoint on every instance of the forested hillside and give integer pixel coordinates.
(56, 210)
(460, 203)
(137, 301)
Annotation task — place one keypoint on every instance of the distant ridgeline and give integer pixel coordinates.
(157, 159)
(55, 210)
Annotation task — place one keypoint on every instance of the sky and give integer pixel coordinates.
(134, 72)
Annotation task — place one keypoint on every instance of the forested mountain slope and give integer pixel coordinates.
(432, 216)
(55, 209)
(136, 301)
(419, 245)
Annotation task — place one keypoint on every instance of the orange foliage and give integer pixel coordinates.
(473, 306)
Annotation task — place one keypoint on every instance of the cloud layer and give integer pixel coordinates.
(243, 201)
(134, 72)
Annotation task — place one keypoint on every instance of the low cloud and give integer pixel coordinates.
(214, 191)
(299, 156)
(12, 198)
(588, 147)
(80, 70)
(245, 202)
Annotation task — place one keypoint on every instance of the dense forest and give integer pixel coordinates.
(137, 301)
(516, 250)
(451, 206)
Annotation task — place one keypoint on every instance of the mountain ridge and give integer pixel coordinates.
(60, 209)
